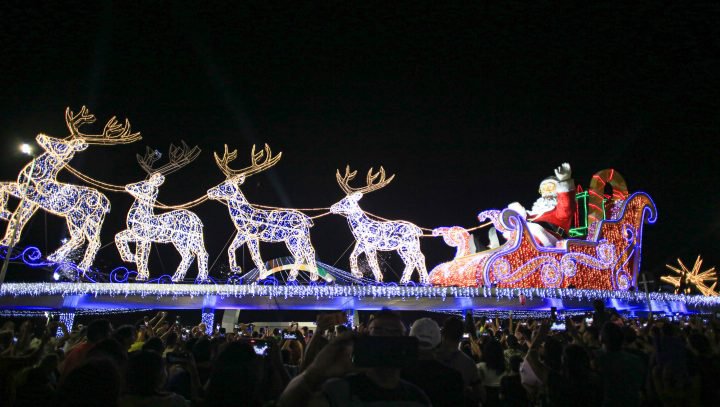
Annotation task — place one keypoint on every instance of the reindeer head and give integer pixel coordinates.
(349, 204)
(146, 189)
(230, 188)
(179, 157)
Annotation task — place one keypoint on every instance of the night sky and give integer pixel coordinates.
(471, 107)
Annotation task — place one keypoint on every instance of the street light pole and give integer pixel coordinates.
(25, 148)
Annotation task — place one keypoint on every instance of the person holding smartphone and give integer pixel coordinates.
(326, 381)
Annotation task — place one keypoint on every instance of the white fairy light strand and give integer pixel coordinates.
(335, 291)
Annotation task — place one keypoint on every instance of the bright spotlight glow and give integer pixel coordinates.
(56, 276)
(26, 148)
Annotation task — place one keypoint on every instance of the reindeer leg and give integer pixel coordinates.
(254, 247)
(408, 257)
(121, 242)
(76, 238)
(422, 270)
(142, 254)
(237, 242)
(309, 256)
(296, 252)
(7, 189)
(354, 261)
(92, 234)
(17, 222)
(371, 256)
(202, 260)
(187, 259)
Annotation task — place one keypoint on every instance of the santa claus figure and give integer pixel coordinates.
(551, 215)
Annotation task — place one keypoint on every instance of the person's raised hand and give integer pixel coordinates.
(335, 359)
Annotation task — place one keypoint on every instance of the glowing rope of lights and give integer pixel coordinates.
(180, 227)
(121, 188)
(333, 291)
(371, 235)
(253, 225)
(83, 208)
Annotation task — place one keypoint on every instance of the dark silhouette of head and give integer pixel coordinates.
(611, 336)
(145, 373)
(235, 376)
(154, 344)
(98, 330)
(93, 383)
(452, 330)
(492, 355)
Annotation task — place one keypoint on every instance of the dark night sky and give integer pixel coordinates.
(470, 107)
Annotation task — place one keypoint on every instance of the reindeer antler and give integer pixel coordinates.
(371, 185)
(113, 133)
(179, 156)
(255, 166)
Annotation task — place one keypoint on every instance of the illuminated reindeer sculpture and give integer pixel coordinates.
(37, 186)
(254, 224)
(180, 227)
(371, 235)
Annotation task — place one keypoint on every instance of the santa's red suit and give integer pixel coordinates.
(548, 225)
(562, 214)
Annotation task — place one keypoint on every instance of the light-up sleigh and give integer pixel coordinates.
(608, 259)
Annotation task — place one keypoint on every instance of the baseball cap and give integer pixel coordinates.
(427, 331)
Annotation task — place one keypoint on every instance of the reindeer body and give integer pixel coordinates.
(254, 224)
(83, 208)
(372, 235)
(180, 227)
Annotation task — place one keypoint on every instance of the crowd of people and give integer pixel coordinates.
(602, 360)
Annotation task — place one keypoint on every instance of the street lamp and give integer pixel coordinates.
(28, 150)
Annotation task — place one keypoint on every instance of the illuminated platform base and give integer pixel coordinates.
(115, 297)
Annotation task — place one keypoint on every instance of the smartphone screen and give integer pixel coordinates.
(384, 351)
(558, 326)
(261, 347)
(290, 336)
(466, 336)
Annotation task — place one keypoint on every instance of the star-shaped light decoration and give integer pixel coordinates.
(693, 278)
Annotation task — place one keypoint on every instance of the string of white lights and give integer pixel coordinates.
(333, 291)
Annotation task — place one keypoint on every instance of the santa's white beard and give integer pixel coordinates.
(543, 204)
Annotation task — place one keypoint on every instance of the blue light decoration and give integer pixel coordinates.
(67, 318)
(372, 235)
(37, 187)
(180, 227)
(289, 226)
(208, 318)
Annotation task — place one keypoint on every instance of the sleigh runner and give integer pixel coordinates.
(609, 259)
